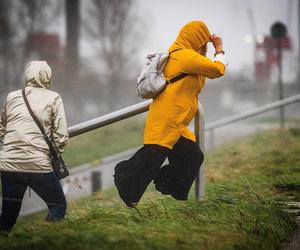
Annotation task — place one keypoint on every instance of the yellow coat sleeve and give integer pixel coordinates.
(195, 64)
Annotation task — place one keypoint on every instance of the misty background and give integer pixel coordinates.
(96, 49)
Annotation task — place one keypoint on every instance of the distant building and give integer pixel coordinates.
(266, 56)
(46, 46)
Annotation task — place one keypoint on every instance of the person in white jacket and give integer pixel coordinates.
(25, 158)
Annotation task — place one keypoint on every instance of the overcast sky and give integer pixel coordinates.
(231, 19)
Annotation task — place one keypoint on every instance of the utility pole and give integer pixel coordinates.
(298, 46)
(72, 34)
(278, 32)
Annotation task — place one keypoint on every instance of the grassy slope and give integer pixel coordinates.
(241, 210)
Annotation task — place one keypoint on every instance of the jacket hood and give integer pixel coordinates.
(38, 74)
(193, 35)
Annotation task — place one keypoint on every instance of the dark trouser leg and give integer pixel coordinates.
(48, 187)
(177, 178)
(13, 189)
(134, 175)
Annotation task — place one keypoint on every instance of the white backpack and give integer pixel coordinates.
(151, 81)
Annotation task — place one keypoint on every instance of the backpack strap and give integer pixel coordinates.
(178, 77)
(174, 51)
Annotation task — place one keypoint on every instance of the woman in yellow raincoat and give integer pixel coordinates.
(166, 132)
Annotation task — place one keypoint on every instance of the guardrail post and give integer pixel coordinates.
(96, 181)
(211, 139)
(199, 132)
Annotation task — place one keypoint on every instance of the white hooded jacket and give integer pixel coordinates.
(24, 148)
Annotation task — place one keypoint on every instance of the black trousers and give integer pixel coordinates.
(134, 175)
(14, 185)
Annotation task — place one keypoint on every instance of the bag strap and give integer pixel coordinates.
(174, 51)
(178, 77)
(51, 148)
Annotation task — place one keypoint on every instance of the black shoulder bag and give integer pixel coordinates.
(59, 166)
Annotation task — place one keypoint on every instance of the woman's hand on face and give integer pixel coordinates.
(217, 42)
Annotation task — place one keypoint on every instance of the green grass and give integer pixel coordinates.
(247, 181)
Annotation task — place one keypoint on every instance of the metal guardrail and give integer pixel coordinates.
(248, 114)
(198, 125)
(199, 132)
(253, 112)
(109, 118)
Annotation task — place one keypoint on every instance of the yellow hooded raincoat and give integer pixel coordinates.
(173, 109)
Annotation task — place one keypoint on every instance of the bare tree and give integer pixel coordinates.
(5, 48)
(19, 20)
(113, 26)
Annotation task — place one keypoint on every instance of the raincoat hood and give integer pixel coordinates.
(193, 35)
(38, 74)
